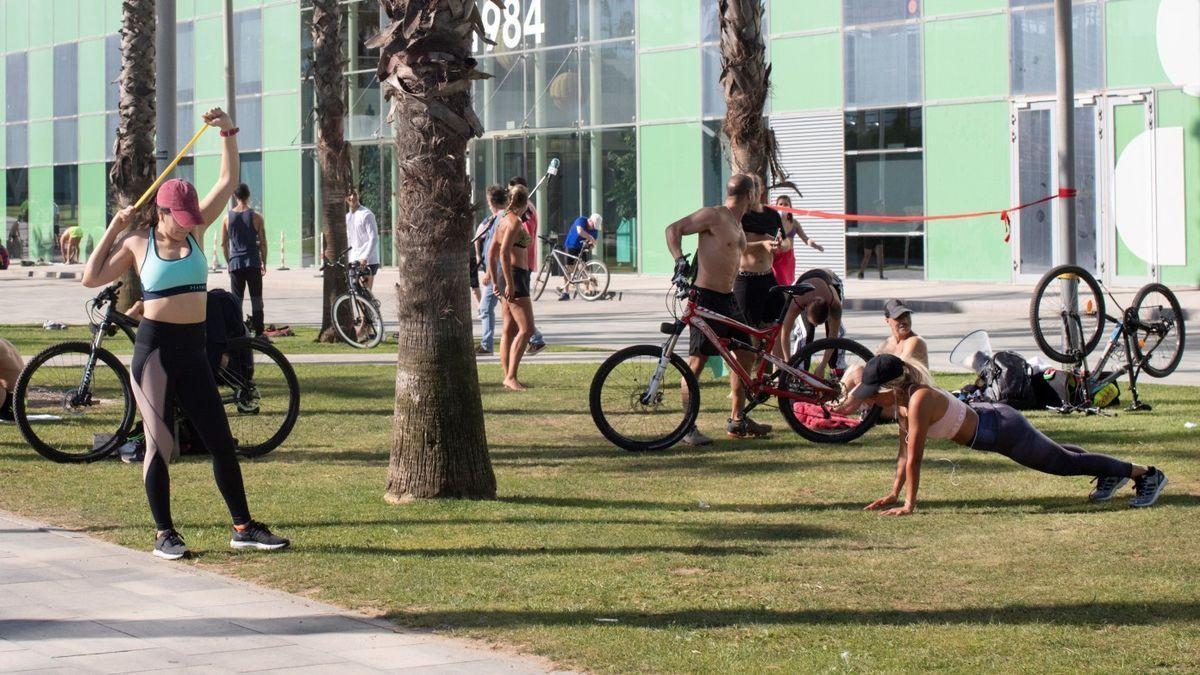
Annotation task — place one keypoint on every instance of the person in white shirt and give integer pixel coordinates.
(362, 235)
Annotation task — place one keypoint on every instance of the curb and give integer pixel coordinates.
(922, 306)
(22, 273)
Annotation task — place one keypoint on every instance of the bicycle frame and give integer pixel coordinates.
(1120, 336)
(568, 263)
(758, 385)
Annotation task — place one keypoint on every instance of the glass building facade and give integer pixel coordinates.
(897, 107)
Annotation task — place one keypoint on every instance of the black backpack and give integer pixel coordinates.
(1007, 378)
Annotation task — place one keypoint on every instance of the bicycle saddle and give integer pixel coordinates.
(795, 289)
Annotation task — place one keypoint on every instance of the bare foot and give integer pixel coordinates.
(513, 384)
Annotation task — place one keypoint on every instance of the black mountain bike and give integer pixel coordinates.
(1068, 316)
(356, 314)
(74, 400)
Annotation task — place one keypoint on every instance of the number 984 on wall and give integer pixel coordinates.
(510, 26)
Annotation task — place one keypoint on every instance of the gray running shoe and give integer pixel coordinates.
(256, 535)
(1147, 487)
(169, 546)
(1106, 487)
(746, 428)
(696, 439)
(535, 348)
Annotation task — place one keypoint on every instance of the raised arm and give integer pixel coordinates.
(111, 257)
(698, 222)
(213, 204)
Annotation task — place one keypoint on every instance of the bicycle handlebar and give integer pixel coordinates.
(109, 294)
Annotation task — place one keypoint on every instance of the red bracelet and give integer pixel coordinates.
(226, 133)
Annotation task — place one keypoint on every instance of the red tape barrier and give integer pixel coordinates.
(1063, 193)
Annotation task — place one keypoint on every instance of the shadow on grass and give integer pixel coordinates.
(533, 551)
(1076, 614)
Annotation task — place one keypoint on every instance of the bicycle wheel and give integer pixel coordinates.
(261, 395)
(593, 282)
(1162, 345)
(628, 414)
(810, 414)
(543, 278)
(67, 415)
(363, 319)
(1066, 335)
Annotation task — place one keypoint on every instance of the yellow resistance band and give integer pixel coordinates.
(150, 190)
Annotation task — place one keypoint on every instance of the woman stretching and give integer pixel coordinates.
(926, 411)
(508, 254)
(170, 365)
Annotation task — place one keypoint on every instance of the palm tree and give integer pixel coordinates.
(333, 153)
(133, 153)
(746, 77)
(439, 448)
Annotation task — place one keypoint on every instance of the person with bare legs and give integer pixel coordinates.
(720, 244)
(11, 366)
(509, 264)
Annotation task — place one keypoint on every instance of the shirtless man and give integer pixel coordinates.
(719, 250)
(903, 342)
(756, 276)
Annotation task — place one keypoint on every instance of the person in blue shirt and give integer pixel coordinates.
(582, 233)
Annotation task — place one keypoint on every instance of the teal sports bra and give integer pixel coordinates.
(164, 278)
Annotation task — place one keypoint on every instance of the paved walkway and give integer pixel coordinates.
(70, 603)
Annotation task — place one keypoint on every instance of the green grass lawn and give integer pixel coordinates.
(31, 339)
(744, 556)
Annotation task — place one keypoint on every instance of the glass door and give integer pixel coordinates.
(1130, 226)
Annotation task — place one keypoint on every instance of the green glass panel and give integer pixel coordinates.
(41, 23)
(93, 196)
(41, 212)
(281, 200)
(941, 7)
(966, 176)
(283, 111)
(1131, 38)
(1176, 109)
(3, 93)
(671, 174)
(818, 84)
(1129, 121)
(210, 65)
(663, 23)
(66, 20)
(92, 138)
(966, 58)
(206, 7)
(91, 76)
(92, 18)
(41, 70)
(16, 25)
(206, 170)
(670, 84)
(281, 60)
(113, 16)
(41, 143)
(790, 16)
(184, 9)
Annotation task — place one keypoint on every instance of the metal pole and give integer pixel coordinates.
(230, 91)
(1064, 129)
(164, 82)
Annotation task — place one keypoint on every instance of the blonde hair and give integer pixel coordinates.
(518, 199)
(914, 375)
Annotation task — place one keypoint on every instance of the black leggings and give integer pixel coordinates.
(238, 281)
(1005, 431)
(170, 367)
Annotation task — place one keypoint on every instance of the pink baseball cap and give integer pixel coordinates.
(180, 197)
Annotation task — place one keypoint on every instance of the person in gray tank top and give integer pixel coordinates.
(244, 241)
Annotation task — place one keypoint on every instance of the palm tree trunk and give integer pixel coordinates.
(333, 153)
(439, 446)
(133, 164)
(746, 77)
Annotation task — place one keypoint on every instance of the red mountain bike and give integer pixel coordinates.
(637, 399)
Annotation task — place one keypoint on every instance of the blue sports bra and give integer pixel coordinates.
(164, 278)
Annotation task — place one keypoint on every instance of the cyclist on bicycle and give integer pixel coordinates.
(721, 243)
(581, 235)
(169, 356)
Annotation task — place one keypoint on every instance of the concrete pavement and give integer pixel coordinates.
(946, 311)
(70, 603)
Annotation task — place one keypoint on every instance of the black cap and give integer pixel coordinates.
(895, 308)
(878, 372)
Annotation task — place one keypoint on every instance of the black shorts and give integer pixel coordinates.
(753, 293)
(520, 283)
(725, 304)
(372, 269)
